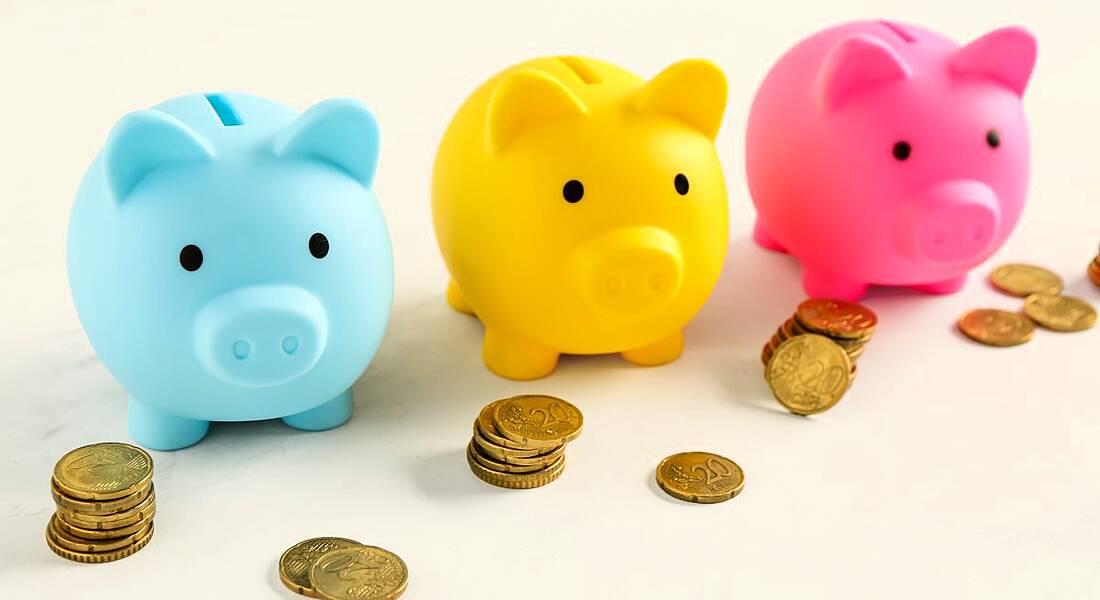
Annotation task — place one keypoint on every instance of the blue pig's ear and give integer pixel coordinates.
(341, 132)
(144, 141)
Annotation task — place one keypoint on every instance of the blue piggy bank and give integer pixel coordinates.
(229, 262)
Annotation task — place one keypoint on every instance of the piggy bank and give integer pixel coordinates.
(582, 210)
(229, 262)
(881, 153)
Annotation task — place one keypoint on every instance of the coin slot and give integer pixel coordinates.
(226, 114)
(900, 31)
(581, 69)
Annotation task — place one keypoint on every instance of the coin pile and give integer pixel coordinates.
(1044, 305)
(519, 442)
(700, 477)
(105, 503)
(804, 379)
(1094, 270)
(334, 568)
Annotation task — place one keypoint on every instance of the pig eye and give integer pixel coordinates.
(191, 257)
(681, 183)
(318, 245)
(993, 138)
(572, 191)
(902, 150)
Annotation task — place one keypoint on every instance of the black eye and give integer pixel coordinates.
(993, 138)
(191, 257)
(902, 150)
(681, 183)
(572, 191)
(318, 245)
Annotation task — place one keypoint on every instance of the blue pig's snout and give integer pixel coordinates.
(261, 335)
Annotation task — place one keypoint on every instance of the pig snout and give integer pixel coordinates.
(630, 272)
(261, 335)
(952, 222)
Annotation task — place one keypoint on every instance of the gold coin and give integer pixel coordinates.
(1060, 313)
(507, 455)
(836, 318)
(297, 560)
(1025, 280)
(359, 573)
(538, 421)
(994, 327)
(502, 467)
(76, 544)
(122, 518)
(1094, 271)
(516, 481)
(808, 374)
(484, 425)
(103, 471)
(99, 507)
(98, 534)
(700, 477)
(97, 557)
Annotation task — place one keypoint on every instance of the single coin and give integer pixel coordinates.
(499, 466)
(484, 425)
(76, 544)
(96, 557)
(99, 507)
(98, 534)
(122, 518)
(359, 573)
(700, 477)
(994, 327)
(1094, 271)
(103, 471)
(808, 374)
(1025, 280)
(297, 560)
(1060, 313)
(517, 481)
(538, 421)
(507, 455)
(836, 318)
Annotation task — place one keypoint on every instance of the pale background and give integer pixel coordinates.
(951, 470)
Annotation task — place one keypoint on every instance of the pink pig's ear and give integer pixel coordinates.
(856, 64)
(1006, 55)
(692, 90)
(525, 99)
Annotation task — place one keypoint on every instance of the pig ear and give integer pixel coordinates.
(340, 132)
(524, 99)
(144, 141)
(1006, 55)
(693, 91)
(856, 64)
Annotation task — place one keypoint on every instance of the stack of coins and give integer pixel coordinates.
(105, 503)
(1094, 270)
(848, 324)
(519, 442)
(334, 568)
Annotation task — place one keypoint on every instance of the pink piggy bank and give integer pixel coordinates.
(881, 153)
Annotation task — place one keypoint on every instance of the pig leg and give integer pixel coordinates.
(949, 286)
(457, 300)
(333, 413)
(158, 430)
(516, 359)
(822, 284)
(764, 239)
(658, 353)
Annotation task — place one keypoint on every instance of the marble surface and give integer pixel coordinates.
(951, 470)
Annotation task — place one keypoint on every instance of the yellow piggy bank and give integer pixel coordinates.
(582, 210)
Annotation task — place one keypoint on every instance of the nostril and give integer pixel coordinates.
(655, 281)
(290, 344)
(939, 238)
(241, 349)
(613, 284)
(978, 234)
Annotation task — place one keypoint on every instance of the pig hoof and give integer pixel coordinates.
(819, 284)
(333, 413)
(659, 353)
(949, 286)
(457, 300)
(764, 239)
(158, 430)
(516, 360)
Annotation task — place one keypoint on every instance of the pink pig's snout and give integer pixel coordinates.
(630, 271)
(951, 222)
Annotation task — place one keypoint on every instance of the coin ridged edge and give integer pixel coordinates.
(517, 481)
(97, 557)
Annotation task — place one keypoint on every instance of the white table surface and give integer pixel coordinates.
(951, 470)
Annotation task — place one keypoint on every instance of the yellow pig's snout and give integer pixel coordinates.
(629, 272)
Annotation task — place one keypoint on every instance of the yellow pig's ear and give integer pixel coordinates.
(693, 91)
(524, 99)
